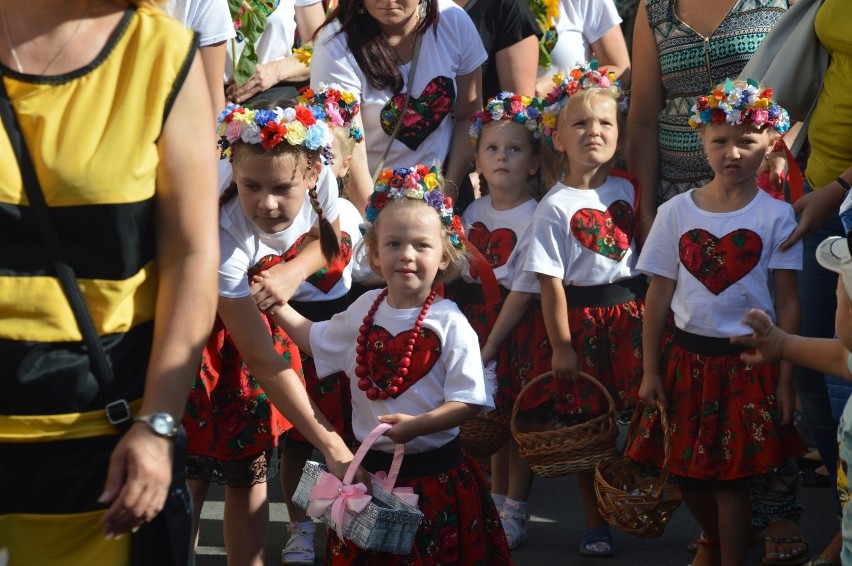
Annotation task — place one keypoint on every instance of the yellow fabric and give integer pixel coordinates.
(60, 540)
(50, 428)
(830, 130)
(116, 306)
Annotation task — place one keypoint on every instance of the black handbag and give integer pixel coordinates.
(167, 539)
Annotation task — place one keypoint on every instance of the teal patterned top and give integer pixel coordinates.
(690, 64)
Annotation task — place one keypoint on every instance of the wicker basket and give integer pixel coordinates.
(566, 450)
(630, 498)
(485, 434)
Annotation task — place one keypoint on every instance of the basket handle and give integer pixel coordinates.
(396, 463)
(528, 387)
(664, 423)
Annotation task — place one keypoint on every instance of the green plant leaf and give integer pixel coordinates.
(246, 65)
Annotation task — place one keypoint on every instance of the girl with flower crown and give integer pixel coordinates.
(713, 253)
(249, 377)
(412, 362)
(506, 136)
(582, 256)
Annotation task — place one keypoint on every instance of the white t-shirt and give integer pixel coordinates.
(456, 375)
(242, 244)
(334, 282)
(210, 18)
(454, 50)
(497, 233)
(585, 237)
(720, 260)
(580, 23)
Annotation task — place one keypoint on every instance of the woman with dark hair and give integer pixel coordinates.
(369, 47)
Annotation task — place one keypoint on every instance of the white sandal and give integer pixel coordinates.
(299, 550)
(515, 526)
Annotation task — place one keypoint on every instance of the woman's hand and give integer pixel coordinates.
(137, 483)
(813, 210)
(767, 340)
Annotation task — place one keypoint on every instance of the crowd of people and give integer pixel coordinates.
(419, 206)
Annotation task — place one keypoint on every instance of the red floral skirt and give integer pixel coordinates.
(332, 397)
(723, 418)
(228, 416)
(460, 525)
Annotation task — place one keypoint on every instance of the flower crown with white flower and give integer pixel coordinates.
(508, 106)
(302, 125)
(739, 102)
(417, 183)
(340, 107)
(584, 76)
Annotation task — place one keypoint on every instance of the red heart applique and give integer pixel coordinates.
(326, 278)
(608, 232)
(271, 260)
(718, 263)
(424, 113)
(384, 353)
(496, 246)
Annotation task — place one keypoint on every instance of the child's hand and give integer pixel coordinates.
(565, 364)
(404, 427)
(271, 289)
(767, 339)
(651, 389)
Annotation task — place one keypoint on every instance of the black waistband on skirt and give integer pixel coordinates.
(706, 345)
(317, 311)
(427, 463)
(471, 293)
(606, 295)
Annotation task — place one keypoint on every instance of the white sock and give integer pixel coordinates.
(515, 506)
(499, 500)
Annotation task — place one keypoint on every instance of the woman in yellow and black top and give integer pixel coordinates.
(113, 106)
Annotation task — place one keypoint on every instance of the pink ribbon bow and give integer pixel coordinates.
(330, 492)
(404, 493)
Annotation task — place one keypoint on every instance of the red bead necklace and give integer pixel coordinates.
(365, 382)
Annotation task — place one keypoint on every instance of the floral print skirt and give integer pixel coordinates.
(723, 418)
(332, 397)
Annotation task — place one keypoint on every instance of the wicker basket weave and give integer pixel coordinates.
(485, 434)
(566, 450)
(630, 498)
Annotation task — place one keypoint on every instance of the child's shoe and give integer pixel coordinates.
(300, 548)
(515, 526)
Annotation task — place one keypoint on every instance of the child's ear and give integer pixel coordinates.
(535, 164)
(557, 143)
(445, 261)
(344, 166)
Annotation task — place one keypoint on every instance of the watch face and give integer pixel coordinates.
(163, 424)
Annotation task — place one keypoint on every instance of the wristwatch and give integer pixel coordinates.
(162, 424)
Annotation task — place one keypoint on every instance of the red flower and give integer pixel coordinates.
(421, 170)
(305, 116)
(379, 200)
(572, 88)
(272, 134)
(767, 93)
(456, 225)
(718, 116)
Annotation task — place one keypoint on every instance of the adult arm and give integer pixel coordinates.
(213, 59)
(611, 52)
(814, 209)
(517, 65)
(187, 257)
(658, 301)
(468, 101)
(647, 98)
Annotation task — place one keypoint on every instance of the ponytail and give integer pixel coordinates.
(328, 238)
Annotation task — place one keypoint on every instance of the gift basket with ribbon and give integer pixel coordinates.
(383, 518)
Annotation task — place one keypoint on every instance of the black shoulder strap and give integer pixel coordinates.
(117, 410)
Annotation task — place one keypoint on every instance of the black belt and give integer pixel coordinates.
(705, 345)
(317, 311)
(607, 295)
(471, 294)
(418, 465)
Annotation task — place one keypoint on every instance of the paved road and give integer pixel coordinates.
(554, 531)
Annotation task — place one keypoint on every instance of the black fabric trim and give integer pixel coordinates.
(429, 463)
(181, 77)
(607, 295)
(50, 378)
(116, 36)
(123, 233)
(706, 345)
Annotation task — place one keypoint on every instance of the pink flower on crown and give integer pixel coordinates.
(759, 117)
(232, 131)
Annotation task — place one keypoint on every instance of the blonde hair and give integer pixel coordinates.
(534, 183)
(555, 162)
(347, 145)
(457, 257)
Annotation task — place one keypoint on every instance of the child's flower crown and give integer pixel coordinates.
(302, 125)
(508, 106)
(739, 102)
(584, 76)
(339, 107)
(418, 183)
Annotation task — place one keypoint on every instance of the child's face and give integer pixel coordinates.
(505, 156)
(340, 163)
(588, 133)
(735, 153)
(272, 188)
(409, 251)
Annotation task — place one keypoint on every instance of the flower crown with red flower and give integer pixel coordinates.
(339, 106)
(739, 102)
(584, 76)
(302, 125)
(510, 107)
(417, 183)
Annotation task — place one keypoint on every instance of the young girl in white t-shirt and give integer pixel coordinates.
(715, 252)
(250, 369)
(507, 137)
(412, 361)
(584, 254)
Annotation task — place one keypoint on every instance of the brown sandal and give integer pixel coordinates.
(793, 560)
